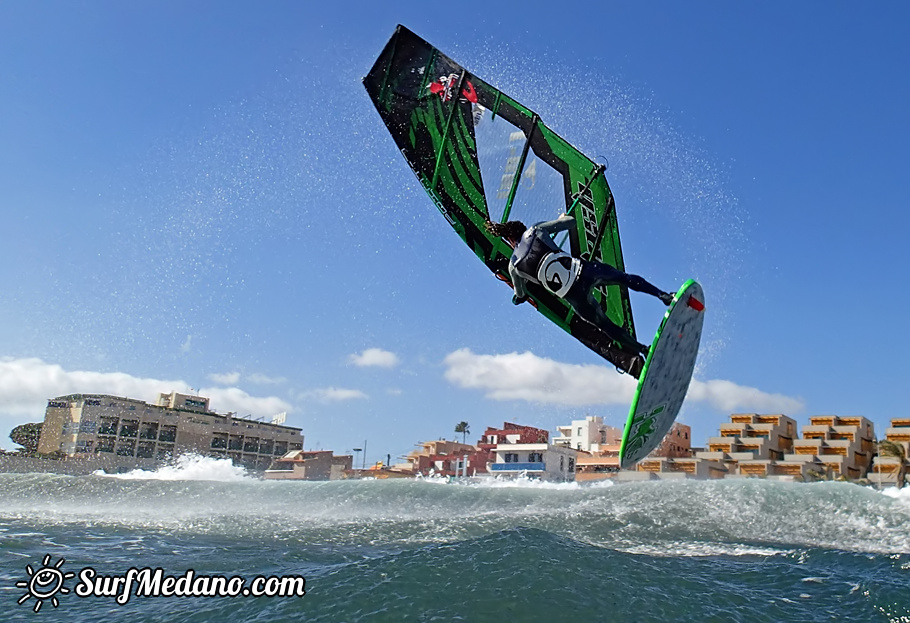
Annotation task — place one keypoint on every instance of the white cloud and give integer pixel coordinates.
(27, 384)
(232, 378)
(334, 394)
(527, 377)
(730, 397)
(229, 378)
(225, 399)
(262, 379)
(375, 357)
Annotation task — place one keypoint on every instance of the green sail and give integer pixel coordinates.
(482, 156)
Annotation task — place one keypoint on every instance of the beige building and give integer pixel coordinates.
(752, 444)
(680, 467)
(766, 445)
(843, 445)
(310, 465)
(128, 430)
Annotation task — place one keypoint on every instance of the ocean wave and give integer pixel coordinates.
(188, 467)
(687, 518)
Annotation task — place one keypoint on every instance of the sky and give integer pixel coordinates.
(200, 197)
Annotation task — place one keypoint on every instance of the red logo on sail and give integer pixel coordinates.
(447, 84)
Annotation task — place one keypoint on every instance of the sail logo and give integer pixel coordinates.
(445, 86)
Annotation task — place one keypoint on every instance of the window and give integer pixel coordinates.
(129, 428)
(219, 441)
(108, 426)
(126, 447)
(535, 457)
(84, 447)
(168, 434)
(148, 430)
(579, 432)
(251, 444)
(105, 444)
(511, 457)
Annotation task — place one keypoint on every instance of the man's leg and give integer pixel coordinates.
(586, 306)
(605, 275)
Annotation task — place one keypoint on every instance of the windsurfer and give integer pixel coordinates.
(537, 258)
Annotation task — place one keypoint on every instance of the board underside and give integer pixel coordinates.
(666, 376)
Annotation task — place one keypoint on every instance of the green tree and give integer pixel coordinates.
(464, 428)
(889, 448)
(27, 436)
(886, 447)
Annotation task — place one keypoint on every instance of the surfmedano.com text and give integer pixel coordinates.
(149, 582)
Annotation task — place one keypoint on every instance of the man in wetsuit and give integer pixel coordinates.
(539, 260)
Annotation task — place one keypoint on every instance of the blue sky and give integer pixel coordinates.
(202, 196)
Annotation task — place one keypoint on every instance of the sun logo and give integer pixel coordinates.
(45, 583)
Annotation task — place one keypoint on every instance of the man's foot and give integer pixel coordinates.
(666, 298)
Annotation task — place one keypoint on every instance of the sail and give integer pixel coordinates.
(482, 156)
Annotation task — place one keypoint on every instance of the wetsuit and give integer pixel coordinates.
(538, 259)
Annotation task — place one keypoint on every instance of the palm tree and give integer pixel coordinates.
(464, 428)
(886, 447)
(889, 448)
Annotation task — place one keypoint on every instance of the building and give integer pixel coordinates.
(842, 445)
(603, 460)
(128, 431)
(512, 433)
(445, 458)
(767, 446)
(544, 461)
(588, 435)
(753, 444)
(663, 467)
(310, 465)
(677, 443)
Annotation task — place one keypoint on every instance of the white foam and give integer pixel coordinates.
(898, 494)
(189, 467)
(532, 483)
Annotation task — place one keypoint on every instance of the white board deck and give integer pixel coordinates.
(665, 379)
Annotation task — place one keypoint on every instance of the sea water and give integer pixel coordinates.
(425, 550)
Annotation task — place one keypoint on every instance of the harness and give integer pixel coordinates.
(543, 262)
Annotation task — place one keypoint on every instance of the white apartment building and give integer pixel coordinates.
(588, 435)
(534, 460)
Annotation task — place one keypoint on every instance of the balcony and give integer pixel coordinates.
(518, 467)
